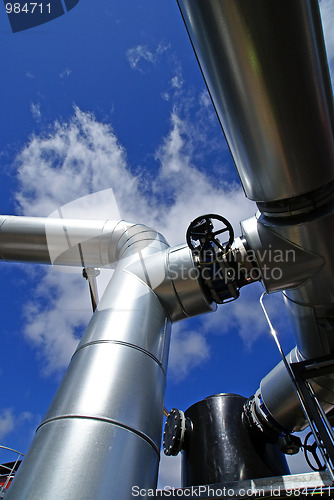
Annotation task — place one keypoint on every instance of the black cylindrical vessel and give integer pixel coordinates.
(220, 449)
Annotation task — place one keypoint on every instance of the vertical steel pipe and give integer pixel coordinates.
(101, 434)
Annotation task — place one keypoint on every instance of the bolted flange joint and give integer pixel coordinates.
(177, 429)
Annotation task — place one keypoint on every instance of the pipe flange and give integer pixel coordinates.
(175, 428)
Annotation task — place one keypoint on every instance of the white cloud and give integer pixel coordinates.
(143, 53)
(10, 421)
(7, 422)
(77, 158)
(83, 156)
(205, 99)
(192, 192)
(188, 350)
(64, 73)
(177, 82)
(36, 111)
(56, 329)
(239, 315)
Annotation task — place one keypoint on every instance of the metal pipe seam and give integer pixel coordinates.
(309, 298)
(109, 337)
(107, 420)
(88, 243)
(2, 221)
(296, 208)
(305, 277)
(126, 344)
(98, 472)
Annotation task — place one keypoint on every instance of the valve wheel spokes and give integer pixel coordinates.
(312, 449)
(202, 229)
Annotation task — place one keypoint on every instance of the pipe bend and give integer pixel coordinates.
(173, 277)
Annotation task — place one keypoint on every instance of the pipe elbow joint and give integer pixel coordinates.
(173, 277)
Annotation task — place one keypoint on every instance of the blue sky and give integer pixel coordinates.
(110, 96)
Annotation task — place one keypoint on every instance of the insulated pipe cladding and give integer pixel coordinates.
(266, 70)
(106, 418)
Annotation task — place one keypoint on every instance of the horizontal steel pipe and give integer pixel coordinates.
(73, 242)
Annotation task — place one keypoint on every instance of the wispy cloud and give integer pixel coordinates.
(188, 350)
(191, 191)
(140, 53)
(66, 72)
(55, 330)
(77, 158)
(36, 111)
(11, 421)
(7, 422)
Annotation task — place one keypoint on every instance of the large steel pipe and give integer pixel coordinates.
(265, 66)
(298, 258)
(101, 435)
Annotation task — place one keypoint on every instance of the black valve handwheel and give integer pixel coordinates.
(313, 450)
(202, 230)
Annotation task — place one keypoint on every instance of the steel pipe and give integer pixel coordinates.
(101, 434)
(266, 70)
(72, 242)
